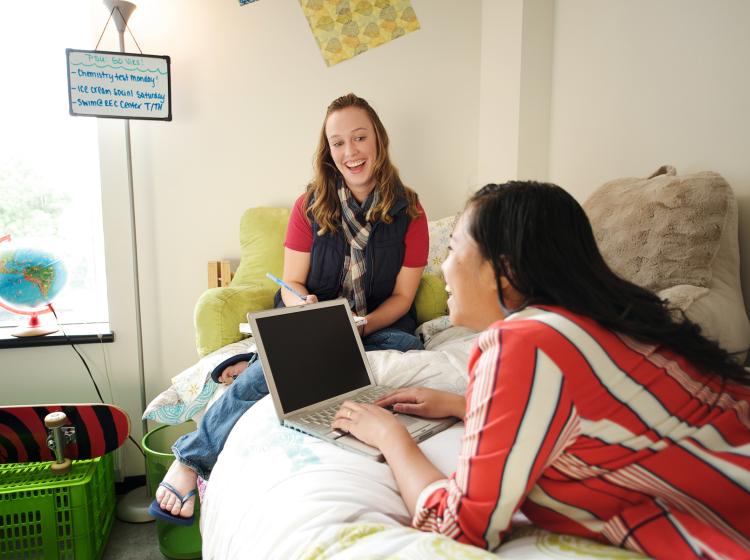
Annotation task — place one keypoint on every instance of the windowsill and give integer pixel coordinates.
(79, 333)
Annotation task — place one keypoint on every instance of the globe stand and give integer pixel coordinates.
(34, 327)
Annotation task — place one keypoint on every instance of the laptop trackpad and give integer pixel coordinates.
(412, 423)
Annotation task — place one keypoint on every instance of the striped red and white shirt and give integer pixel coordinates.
(595, 434)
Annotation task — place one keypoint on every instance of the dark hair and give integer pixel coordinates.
(540, 239)
(326, 207)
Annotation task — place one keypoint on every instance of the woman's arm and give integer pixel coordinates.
(398, 304)
(378, 427)
(421, 401)
(296, 267)
(297, 246)
(412, 470)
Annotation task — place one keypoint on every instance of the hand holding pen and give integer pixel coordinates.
(309, 298)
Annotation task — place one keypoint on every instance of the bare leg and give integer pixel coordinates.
(184, 479)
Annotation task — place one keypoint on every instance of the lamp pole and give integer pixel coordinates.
(133, 507)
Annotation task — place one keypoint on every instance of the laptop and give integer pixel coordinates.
(313, 360)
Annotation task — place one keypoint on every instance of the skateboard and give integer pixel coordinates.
(60, 433)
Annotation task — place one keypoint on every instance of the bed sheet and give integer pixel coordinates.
(278, 493)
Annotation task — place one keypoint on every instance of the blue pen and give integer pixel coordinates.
(283, 284)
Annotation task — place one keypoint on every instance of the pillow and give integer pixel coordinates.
(430, 328)
(662, 231)
(192, 389)
(431, 299)
(262, 233)
(440, 235)
(168, 408)
(676, 235)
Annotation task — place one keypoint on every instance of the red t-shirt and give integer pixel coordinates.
(417, 240)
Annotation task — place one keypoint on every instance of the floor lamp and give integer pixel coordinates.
(133, 507)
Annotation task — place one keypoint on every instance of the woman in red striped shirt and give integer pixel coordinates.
(590, 406)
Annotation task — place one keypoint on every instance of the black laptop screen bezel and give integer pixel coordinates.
(305, 351)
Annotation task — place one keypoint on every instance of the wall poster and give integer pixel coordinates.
(346, 28)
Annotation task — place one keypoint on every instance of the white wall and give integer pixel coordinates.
(638, 84)
(515, 89)
(249, 93)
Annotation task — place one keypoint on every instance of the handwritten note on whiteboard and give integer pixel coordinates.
(119, 85)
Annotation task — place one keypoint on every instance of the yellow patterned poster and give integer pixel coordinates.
(346, 28)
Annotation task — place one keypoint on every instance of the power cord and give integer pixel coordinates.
(98, 392)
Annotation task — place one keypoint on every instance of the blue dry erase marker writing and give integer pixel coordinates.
(283, 284)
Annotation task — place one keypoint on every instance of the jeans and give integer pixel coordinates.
(392, 339)
(200, 449)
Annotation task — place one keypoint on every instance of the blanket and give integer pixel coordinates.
(278, 493)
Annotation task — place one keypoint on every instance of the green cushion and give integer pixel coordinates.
(432, 299)
(262, 232)
(220, 311)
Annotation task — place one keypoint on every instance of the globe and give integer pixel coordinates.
(29, 279)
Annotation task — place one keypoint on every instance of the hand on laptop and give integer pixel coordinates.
(428, 403)
(369, 423)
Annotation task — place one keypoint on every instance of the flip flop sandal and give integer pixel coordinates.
(155, 509)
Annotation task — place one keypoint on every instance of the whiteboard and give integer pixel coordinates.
(119, 85)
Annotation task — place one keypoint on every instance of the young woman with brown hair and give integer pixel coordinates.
(358, 233)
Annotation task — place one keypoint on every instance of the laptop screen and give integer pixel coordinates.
(313, 355)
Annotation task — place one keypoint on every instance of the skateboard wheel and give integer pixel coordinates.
(55, 420)
(61, 468)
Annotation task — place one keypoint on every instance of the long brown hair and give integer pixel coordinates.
(326, 207)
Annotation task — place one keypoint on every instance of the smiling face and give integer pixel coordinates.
(470, 281)
(353, 145)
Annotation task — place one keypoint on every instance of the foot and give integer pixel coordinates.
(183, 479)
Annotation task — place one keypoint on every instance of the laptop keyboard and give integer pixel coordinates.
(324, 416)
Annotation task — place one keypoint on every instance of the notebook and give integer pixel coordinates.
(246, 329)
(313, 360)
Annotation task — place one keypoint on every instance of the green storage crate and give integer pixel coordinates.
(56, 517)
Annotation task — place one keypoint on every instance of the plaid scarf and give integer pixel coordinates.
(357, 231)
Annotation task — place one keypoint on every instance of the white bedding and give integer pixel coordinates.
(276, 493)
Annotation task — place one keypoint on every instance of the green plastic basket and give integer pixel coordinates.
(56, 517)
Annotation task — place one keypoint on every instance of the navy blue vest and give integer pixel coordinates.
(384, 256)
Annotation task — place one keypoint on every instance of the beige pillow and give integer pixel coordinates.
(661, 231)
(677, 236)
(440, 236)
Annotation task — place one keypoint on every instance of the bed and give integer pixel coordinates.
(276, 493)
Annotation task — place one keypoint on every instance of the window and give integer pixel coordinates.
(50, 195)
